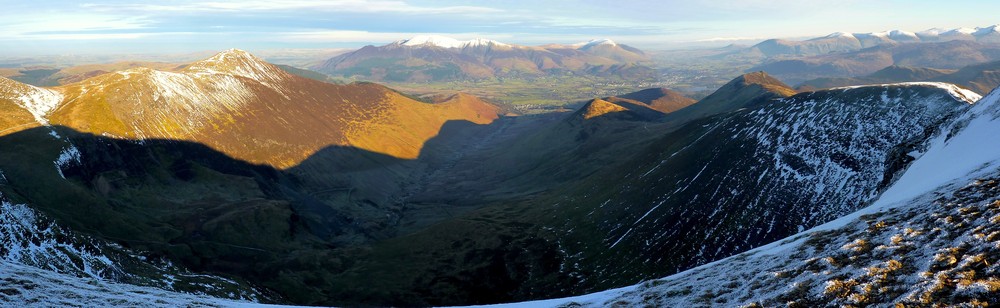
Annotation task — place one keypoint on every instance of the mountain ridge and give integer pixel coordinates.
(925, 241)
(846, 41)
(437, 58)
(208, 97)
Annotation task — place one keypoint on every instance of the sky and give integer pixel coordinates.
(62, 27)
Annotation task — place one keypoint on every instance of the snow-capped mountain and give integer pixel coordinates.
(447, 42)
(595, 42)
(846, 41)
(930, 239)
(437, 58)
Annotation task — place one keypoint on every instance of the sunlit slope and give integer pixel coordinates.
(254, 111)
(14, 116)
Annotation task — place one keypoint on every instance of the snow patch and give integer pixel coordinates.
(595, 42)
(955, 91)
(447, 42)
(69, 156)
(840, 35)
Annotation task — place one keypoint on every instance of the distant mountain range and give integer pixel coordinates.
(938, 55)
(843, 41)
(439, 58)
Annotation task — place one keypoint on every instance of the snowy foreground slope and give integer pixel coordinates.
(933, 237)
(31, 286)
(44, 265)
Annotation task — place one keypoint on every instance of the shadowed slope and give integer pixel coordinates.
(696, 194)
(212, 213)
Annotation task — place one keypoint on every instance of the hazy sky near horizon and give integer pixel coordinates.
(166, 26)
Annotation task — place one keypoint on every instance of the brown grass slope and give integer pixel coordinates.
(254, 111)
(13, 117)
(660, 99)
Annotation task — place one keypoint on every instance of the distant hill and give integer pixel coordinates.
(981, 78)
(438, 58)
(891, 74)
(649, 104)
(49, 76)
(941, 55)
(744, 91)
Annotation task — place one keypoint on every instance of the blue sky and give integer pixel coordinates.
(165, 26)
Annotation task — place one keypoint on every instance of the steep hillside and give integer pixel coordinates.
(229, 166)
(930, 240)
(252, 110)
(548, 150)
(433, 58)
(22, 105)
(41, 261)
(696, 195)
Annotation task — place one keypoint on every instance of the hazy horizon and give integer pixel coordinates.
(114, 27)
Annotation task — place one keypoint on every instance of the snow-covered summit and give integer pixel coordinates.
(38, 101)
(987, 30)
(436, 40)
(902, 34)
(447, 42)
(595, 42)
(960, 31)
(932, 32)
(237, 62)
(482, 42)
(840, 34)
(929, 35)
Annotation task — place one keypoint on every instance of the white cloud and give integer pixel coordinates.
(356, 6)
(31, 26)
(85, 36)
(731, 39)
(343, 36)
